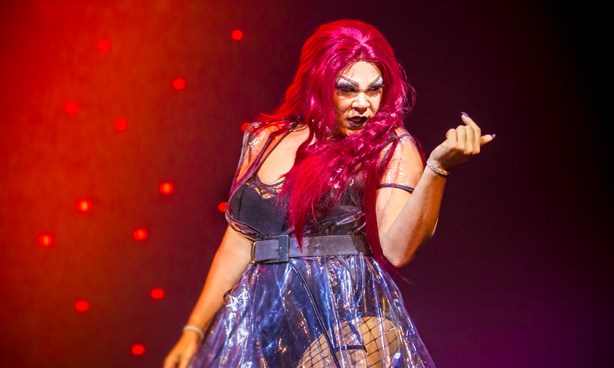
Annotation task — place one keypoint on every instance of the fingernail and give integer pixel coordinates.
(493, 135)
(464, 114)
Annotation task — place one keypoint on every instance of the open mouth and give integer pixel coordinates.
(357, 121)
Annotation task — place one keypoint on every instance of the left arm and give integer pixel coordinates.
(405, 220)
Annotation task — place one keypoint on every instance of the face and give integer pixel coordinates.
(358, 93)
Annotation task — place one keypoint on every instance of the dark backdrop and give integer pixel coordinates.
(515, 276)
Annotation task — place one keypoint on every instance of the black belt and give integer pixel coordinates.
(284, 247)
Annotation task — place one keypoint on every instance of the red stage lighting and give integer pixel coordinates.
(237, 35)
(103, 45)
(157, 293)
(140, 234)
(82, 305)
(179, 84)
(222, 206)
(45, 240)
(71, 107)
(120, 124)
(244, 126)
(84, 205)
(137, 349)
(166, 187)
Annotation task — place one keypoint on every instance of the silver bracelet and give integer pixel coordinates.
(194, 329)
(436, 170)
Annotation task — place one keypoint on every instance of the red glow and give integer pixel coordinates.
(179, 84)
(103, 45)
(237, 35)
(84, 205)
(71, 107)
(82, 305)
(137, 349)
(140, 234)
(166, 187)
(157, 293)
(120, 124)
(45, 240)
(222, 206)
(244, 126)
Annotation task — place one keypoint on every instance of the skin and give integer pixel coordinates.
(405, 220)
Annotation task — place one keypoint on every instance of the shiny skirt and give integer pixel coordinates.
(334, 311)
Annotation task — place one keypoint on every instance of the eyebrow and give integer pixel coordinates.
(375, 82)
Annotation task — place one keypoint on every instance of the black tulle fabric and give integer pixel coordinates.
(332, 311)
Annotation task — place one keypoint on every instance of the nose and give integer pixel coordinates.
(360, 103)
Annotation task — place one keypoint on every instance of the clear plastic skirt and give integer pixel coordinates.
(335, 311)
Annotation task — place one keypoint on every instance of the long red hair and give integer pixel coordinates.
(322, 169)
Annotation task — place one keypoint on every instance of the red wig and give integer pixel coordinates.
(322, 169)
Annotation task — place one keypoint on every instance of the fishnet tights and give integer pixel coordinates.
(365, 342)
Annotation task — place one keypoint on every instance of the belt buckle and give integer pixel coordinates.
(283, 250)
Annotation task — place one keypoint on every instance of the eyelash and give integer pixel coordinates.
(348, 89)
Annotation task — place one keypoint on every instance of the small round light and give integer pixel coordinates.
(179, 84)
(82, 305)
(222, 206)
(103, 45)
(140, 234)
(71, 107)
(84, 205)
(120, 124)
(137, 349)
(244, 126)
(156, 293)
(45, 240)
(237, 35)
(166, 187)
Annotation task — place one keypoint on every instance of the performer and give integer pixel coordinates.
(331, 194)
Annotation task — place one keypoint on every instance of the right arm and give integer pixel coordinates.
(230, 261)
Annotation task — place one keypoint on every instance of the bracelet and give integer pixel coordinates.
(436, 170)
(194, 329)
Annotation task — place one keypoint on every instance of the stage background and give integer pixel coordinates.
(95, 111)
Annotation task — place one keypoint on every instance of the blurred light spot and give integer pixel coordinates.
(140, 234)
(82, 305)
(84, 205)
(222, 206)
(157, 293)
(103, 45)
(120, 124)
(237, 35)
(244, 126)
(45, 240)
(71, 107)
(166, 187)
(179, 84)
(137, 349)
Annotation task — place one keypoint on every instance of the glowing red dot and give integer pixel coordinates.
(222, 206)
(139, 234)
(84, 205)
(157, 293)
(120, 124)
(82, 305)
(45, 240)
(244, 126)
(71, 107)
(166, 187)
(237, 35)
(103, 45)
(137, 349)
(179, 84)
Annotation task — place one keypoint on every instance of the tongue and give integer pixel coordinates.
(357, 121)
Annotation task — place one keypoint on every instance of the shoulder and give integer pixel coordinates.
(259, 130)
(403, 144)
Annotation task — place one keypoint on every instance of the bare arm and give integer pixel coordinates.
(229, 263)
(407, 220)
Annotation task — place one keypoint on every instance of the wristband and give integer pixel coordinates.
(194, 329)
(436, 170)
